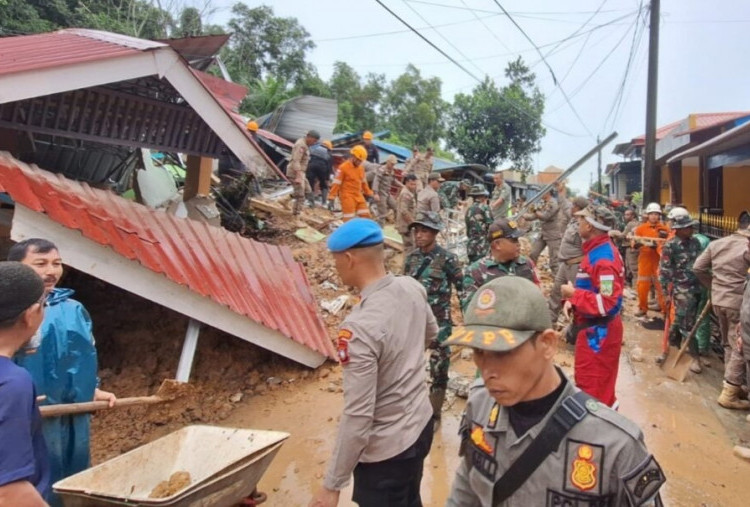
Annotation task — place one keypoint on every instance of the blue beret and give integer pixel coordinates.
(356, 233)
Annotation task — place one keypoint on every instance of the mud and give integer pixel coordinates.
(236, 384)
(177, 482)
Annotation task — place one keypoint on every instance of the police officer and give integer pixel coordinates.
(679, 283)
(385, 430)
(297, 169)
(530, 437)
(437, 270)
(478, 220)
(385, 178)
(406, 210)
(596, 300)
(505, 259)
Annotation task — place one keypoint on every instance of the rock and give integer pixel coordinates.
(636, 355)
(742, 452)
(324, 372)
(273, 381)
(332, 388)
(236, 398)
(460, 385)
(467, 354)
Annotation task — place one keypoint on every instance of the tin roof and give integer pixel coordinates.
(253, 279)
(66, 47)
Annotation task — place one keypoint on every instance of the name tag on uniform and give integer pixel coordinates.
(482, 452)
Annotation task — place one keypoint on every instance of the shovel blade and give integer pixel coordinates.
(681, 366)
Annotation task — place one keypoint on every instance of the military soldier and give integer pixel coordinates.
(385, 431)
(550, 236)
(478, 220)
(297, 168)
(428, 198)
(505, 259)
(680, 284)
(596, 300)
(406, 210)
(501, 197)
(570, 256)
(530, 437)
(437, 270)
(451, 192)
(381, 186)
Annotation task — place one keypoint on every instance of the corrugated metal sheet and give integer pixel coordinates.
(257, 280)
(65, 47)
(292, 119)
(198, 50)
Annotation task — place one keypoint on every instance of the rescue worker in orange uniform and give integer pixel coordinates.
(350, 186)
(648, 258)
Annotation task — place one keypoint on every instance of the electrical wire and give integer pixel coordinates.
(467, 71)
(476, 16)
(518, 14)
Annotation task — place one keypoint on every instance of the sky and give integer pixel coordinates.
(702, 49)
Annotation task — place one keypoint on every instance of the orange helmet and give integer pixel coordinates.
(367, 136)
(359, 152)
(328, 144)
(252, 126)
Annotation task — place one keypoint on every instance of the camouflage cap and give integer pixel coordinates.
(478, 190)
(503, 314)
(683, 222)
(504, 229)
(600, 217)
(429, 219)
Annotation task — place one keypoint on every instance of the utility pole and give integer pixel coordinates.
(599, 167)
(651, 174)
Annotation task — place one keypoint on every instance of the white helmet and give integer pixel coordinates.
(653, 208)
(677, 212)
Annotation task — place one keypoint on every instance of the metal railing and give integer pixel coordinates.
(716, 225)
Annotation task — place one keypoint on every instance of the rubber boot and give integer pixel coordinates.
(437, 397)
(730, 397)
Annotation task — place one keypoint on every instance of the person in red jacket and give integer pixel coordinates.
(596, 301)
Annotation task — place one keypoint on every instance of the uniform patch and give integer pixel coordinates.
(606, 285)
(492, 422)
(643, 483)
(558, 499)
(486, 299)
(583, 462)
(342, 346)
(482, 453)
(479, 439)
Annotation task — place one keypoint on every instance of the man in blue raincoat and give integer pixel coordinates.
(62, 361)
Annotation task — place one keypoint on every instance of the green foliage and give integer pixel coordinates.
(264, 45)
(265, 96)
(413, 107)
(492, 125)
(358, 101)
(191, 23)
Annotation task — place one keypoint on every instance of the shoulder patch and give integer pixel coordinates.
(642, 484)
(342, 346)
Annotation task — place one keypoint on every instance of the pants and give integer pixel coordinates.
(597, 360)
(407, 239)
(565, 273)
(631, 264)
(734, 362)
(703, 335)
(440, 359)
(353, 205)
(386, 202)
(298, 193)
(685, 304)
(553, 245)
(394, 482)
(648, 265)
(319, 175)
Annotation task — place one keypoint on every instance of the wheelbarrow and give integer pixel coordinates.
(224, 467)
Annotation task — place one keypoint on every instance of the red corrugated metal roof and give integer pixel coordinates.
(65, 47)
(702, 121)
(257, 280)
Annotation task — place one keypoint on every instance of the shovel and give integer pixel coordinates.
(168, 391)
(678, 363)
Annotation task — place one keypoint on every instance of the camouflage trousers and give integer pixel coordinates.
(440, 358)
(685, 312)
(703, 336)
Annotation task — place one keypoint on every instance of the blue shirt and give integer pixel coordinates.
(23, 453)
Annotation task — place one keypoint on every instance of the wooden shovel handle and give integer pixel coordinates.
(93, 406)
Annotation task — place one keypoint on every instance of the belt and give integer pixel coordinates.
(574, 260)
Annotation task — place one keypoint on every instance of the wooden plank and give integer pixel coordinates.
(268, 207)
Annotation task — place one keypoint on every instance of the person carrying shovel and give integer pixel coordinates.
(62, 362)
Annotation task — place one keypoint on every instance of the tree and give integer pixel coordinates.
(265, 96)
(191, 23)
(358, 102)
(263, 44)
(491, 125)
(414, 108)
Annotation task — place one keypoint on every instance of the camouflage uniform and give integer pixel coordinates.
(384, 178)
(448, 193)
(478, 220)
(437, 270)
(676, 269)
(487, 269)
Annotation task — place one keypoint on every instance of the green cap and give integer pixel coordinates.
(429, 219)
(478, 190)
(502, 315)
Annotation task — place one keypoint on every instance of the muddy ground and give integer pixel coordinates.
(236, 384)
